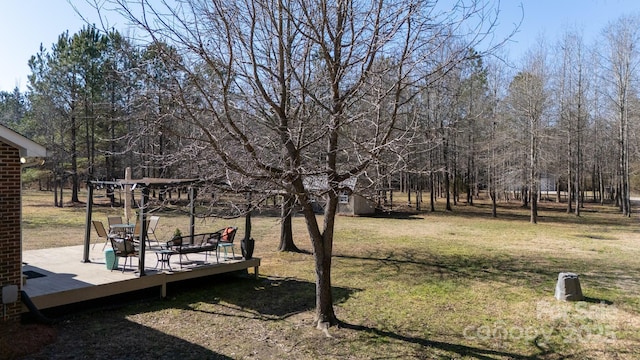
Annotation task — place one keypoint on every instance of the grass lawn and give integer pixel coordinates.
(422, 286)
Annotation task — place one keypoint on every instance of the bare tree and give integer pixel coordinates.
(528, 100)
(493, 145)
(281, 92)
(600, 138)
(573, 85)
(621, 65)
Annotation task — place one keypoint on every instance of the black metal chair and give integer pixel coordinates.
(137, 232)
(124, 248)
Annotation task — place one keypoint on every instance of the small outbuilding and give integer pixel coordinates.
(350, 201)
(353, 203)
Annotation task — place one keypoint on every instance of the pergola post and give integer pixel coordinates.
(87, 228)
(143, 229)
(192, 213)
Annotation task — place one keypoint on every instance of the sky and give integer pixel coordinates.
(25, 24)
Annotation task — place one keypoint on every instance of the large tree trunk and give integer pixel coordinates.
(408, 187)
(577, 186)
(494, 205)
(286, 232)
(533, 188)
(432, 190)
(447, 189)
(569, 173)
(322, 243)
(324, 298)
(601, 185)
(55, 190)
(534, 206)
(626, 188)
(325, 316)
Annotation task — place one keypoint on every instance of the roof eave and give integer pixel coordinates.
(27, 147)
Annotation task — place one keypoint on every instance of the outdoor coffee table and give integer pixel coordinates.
(163, 256)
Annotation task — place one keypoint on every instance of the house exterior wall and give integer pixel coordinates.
(10, 231)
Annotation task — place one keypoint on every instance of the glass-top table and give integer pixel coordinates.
(126, 228)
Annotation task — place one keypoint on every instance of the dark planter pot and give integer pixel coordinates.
(247, 246)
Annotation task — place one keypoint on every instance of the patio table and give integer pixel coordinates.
(163, 256)
(126, 228)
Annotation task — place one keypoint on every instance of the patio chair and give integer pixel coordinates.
(102, 233)
(124, 248)
(226, 241)
(151, 229)
(137, 229)
(113, 220)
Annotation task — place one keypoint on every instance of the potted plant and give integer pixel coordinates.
(247, 246)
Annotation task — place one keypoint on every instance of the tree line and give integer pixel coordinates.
(563, 121)
(263, 96)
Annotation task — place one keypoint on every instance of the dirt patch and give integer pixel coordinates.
(21, 340)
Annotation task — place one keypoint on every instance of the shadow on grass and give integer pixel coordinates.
(279, 297)
(597, 301)
(536, 274)
(235, 296)
(398, 215)
(461, 350)
(115, 336)
(477, 267)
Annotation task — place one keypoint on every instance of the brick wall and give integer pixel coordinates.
(10, 237)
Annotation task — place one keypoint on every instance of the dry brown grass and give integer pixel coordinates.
(419, 286)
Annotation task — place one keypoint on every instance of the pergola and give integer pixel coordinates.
(144, 185)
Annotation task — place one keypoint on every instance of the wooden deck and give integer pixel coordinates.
(68, 280)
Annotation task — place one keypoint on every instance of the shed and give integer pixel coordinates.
(14, 151)
(350, 201)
